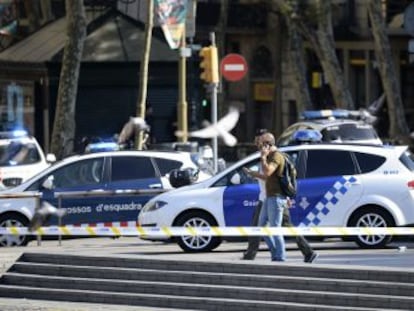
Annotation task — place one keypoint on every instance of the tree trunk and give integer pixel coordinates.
(64, 123)
(398, 124)
(323, 43)
(297, 63)
(314, 21)
(143, 73)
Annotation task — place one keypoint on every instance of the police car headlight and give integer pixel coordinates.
(153, 206)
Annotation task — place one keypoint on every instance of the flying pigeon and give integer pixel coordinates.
(369, 114)
(220, 129)
(376, 105)
(129, 128)
(43, 214)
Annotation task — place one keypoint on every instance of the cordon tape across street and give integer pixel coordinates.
(206, 231)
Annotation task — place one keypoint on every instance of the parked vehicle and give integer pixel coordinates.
(339, 185)
(334, 126)
(21, 157)
(95, 172)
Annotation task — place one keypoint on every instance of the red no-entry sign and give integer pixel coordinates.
(233, 67)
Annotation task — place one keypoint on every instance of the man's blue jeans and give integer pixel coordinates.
(272, 214)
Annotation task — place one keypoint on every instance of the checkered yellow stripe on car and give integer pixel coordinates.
(206, 231)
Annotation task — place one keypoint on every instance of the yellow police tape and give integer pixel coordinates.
(165, 232)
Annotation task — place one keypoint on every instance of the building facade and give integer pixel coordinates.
(29, 67)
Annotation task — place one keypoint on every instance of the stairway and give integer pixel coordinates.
(205, 285)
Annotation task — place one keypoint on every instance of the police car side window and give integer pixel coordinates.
(368, 162)
(407, 158)
(127, 168)
(323, 163)
(87, 172)
(166, 165)
(244, 178)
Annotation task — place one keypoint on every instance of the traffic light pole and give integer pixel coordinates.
(214, 87)
(182, 92)
(210, 75)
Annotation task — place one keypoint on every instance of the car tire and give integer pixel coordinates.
(194, 244)
(13, 220)
(372, 217)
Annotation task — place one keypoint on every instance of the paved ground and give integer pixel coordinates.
(333, 253)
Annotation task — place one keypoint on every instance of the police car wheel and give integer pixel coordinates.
(13, 220)
(374, 218)
(194, 244)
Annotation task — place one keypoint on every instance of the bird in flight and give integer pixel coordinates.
(221, 129)
(43, 214)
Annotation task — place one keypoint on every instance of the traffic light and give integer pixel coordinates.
(209, 64)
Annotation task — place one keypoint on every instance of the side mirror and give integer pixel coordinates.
(235, 179)
(183, 177)
(50, 158)
(48, 183)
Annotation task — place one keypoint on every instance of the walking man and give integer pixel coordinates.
(272, 162)
(254, 241)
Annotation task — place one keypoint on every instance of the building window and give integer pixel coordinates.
(262, 64)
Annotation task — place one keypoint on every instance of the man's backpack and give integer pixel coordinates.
(288, 178)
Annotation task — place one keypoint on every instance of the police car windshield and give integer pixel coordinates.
(17, 153)
(349, 132)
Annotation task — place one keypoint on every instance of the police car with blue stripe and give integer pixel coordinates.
(339, 185)
(94, 189)
(338, 125)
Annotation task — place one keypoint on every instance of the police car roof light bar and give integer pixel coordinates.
(307, 136)
(325, 114)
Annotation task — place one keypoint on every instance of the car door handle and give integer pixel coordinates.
(155, 186)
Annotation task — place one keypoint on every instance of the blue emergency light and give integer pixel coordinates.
(307, 136)
(102, 146)
(325, 114)
(17, 133)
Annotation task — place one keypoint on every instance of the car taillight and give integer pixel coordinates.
(410, 184)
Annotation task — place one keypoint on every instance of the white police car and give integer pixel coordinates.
(341, 126)
(339, 185)
(21, 157)
(110, 171)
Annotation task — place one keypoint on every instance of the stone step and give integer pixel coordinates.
(167, 301)
(332, 272)
(215, 278)
(211, 291)
(206, 285)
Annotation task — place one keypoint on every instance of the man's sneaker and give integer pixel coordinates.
(311, 258)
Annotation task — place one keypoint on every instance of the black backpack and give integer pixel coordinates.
(288, 178)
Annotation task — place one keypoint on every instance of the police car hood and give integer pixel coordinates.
(200, 185)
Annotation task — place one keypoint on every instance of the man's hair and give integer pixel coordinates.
(260, 132)
(268, 138)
